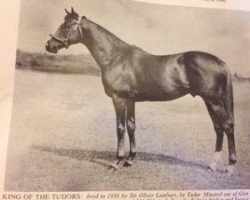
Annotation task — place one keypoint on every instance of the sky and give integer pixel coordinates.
(158, 29)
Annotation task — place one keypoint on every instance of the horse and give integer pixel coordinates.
(130, 74)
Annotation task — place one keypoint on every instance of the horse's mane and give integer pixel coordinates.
(108, 33)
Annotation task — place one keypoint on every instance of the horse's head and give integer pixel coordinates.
(70, 32)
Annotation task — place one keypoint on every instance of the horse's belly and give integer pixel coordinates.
(159, 94)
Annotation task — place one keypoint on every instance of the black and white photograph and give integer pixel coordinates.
(123, 95)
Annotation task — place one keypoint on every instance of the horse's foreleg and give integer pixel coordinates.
(120, 109)
(213, 111)
(130, 119)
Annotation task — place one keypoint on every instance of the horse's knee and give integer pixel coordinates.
(120, 134)
(121, 130)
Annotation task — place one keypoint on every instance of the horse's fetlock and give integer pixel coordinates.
(132, 153)
(232, 159)
(120, 156)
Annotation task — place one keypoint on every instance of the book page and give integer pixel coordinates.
(125, 99)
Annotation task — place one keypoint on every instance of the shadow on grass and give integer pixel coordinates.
(92, 156)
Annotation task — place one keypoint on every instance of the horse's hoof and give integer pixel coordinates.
(128, 163)
(230, 170)
(212, 166)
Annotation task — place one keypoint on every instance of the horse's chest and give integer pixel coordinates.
(118, 81)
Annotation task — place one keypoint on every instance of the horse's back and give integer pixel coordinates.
(146, 77)
(172, 76)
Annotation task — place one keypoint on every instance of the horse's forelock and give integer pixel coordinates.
(69, 16)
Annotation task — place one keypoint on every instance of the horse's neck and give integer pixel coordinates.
(103, 45)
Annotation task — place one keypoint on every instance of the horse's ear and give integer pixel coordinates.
(66, 11)
(72, 10)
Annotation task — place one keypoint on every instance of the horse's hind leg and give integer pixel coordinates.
(223, 122)
(229, 129)
(219, 134)
(130, 119)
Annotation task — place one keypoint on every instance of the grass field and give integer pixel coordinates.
(62, 123)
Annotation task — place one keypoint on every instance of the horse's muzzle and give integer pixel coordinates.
(51, 49)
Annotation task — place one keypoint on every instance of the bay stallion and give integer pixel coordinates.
(130, 74)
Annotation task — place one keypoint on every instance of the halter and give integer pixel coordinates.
(64, 41)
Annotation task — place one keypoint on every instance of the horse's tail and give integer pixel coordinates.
(228, 96)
